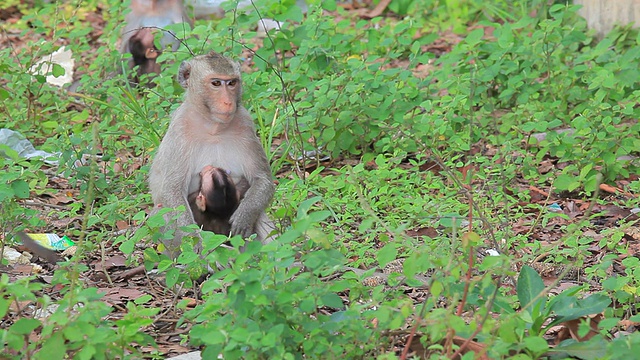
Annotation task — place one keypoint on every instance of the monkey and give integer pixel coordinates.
(144, 52)
(212, 127)
(146, 18)
(215, 200)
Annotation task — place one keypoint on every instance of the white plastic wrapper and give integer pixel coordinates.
(62, 57)
(25, 149)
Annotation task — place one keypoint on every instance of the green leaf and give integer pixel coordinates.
(53, 348)
(127, 246)
(536, 344)
(165, 264)
(475, 36)
(529, 286)
(20, 188)
(57, 70)
(329, 5)
(387, 254)
(593, 304)
(448, 220)
(150, 255)
(24, 326)
(74, 333)
(86, 353)
(172, 276)
(49, 125)
(436, 288)
(4, 306)
(566, 182)
(269, 340)
(143, 299)
(506, 36)
(157, 220)
(332, 300)
(613, 283)
(307, 305)
(187, 257)
(594, 348)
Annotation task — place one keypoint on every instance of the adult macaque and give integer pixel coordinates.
(147, 17)
(211, 127)
(216, 199)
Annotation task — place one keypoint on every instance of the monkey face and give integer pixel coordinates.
(224, 95)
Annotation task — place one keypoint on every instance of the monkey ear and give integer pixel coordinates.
(184, 73)
(201, 202)
(151, 53)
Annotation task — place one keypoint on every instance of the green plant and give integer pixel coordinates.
(74, 325)
(566, 306)
(18, 178)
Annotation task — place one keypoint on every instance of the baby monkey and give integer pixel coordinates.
(216, 199)
(146, 19)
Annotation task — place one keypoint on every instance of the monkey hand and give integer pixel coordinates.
(243, 221)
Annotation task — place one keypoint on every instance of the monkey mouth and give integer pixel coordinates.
(225, 115)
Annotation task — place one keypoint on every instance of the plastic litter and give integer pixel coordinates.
(25, 149)
(555, 208)
(62, 57)
(52, 241)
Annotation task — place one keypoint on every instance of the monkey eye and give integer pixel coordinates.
(216, 82)
(232, 82)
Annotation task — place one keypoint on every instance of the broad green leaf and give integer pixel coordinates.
(529, 286)
(172, 276)
(269, 340)
(187, 257)
(475, 36)
(594, 348)
(470, 238)
(329, 5)
(436, 288)
(4, 306)
(127, 246)
(332, 300)
(387, 254)
(20, 188)
(506, 36)
(307, 306)
(150, 255)
(536, 344)
(57, 70)
(448, 220)
(566, 182)
(87, 352)
(24, 326)
(53, 348)
(593, 304)
(143, 299)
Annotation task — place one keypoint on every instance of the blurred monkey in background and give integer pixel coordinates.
(146, 19)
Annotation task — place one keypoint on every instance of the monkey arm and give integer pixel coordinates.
(256, 199)
(244, 220)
